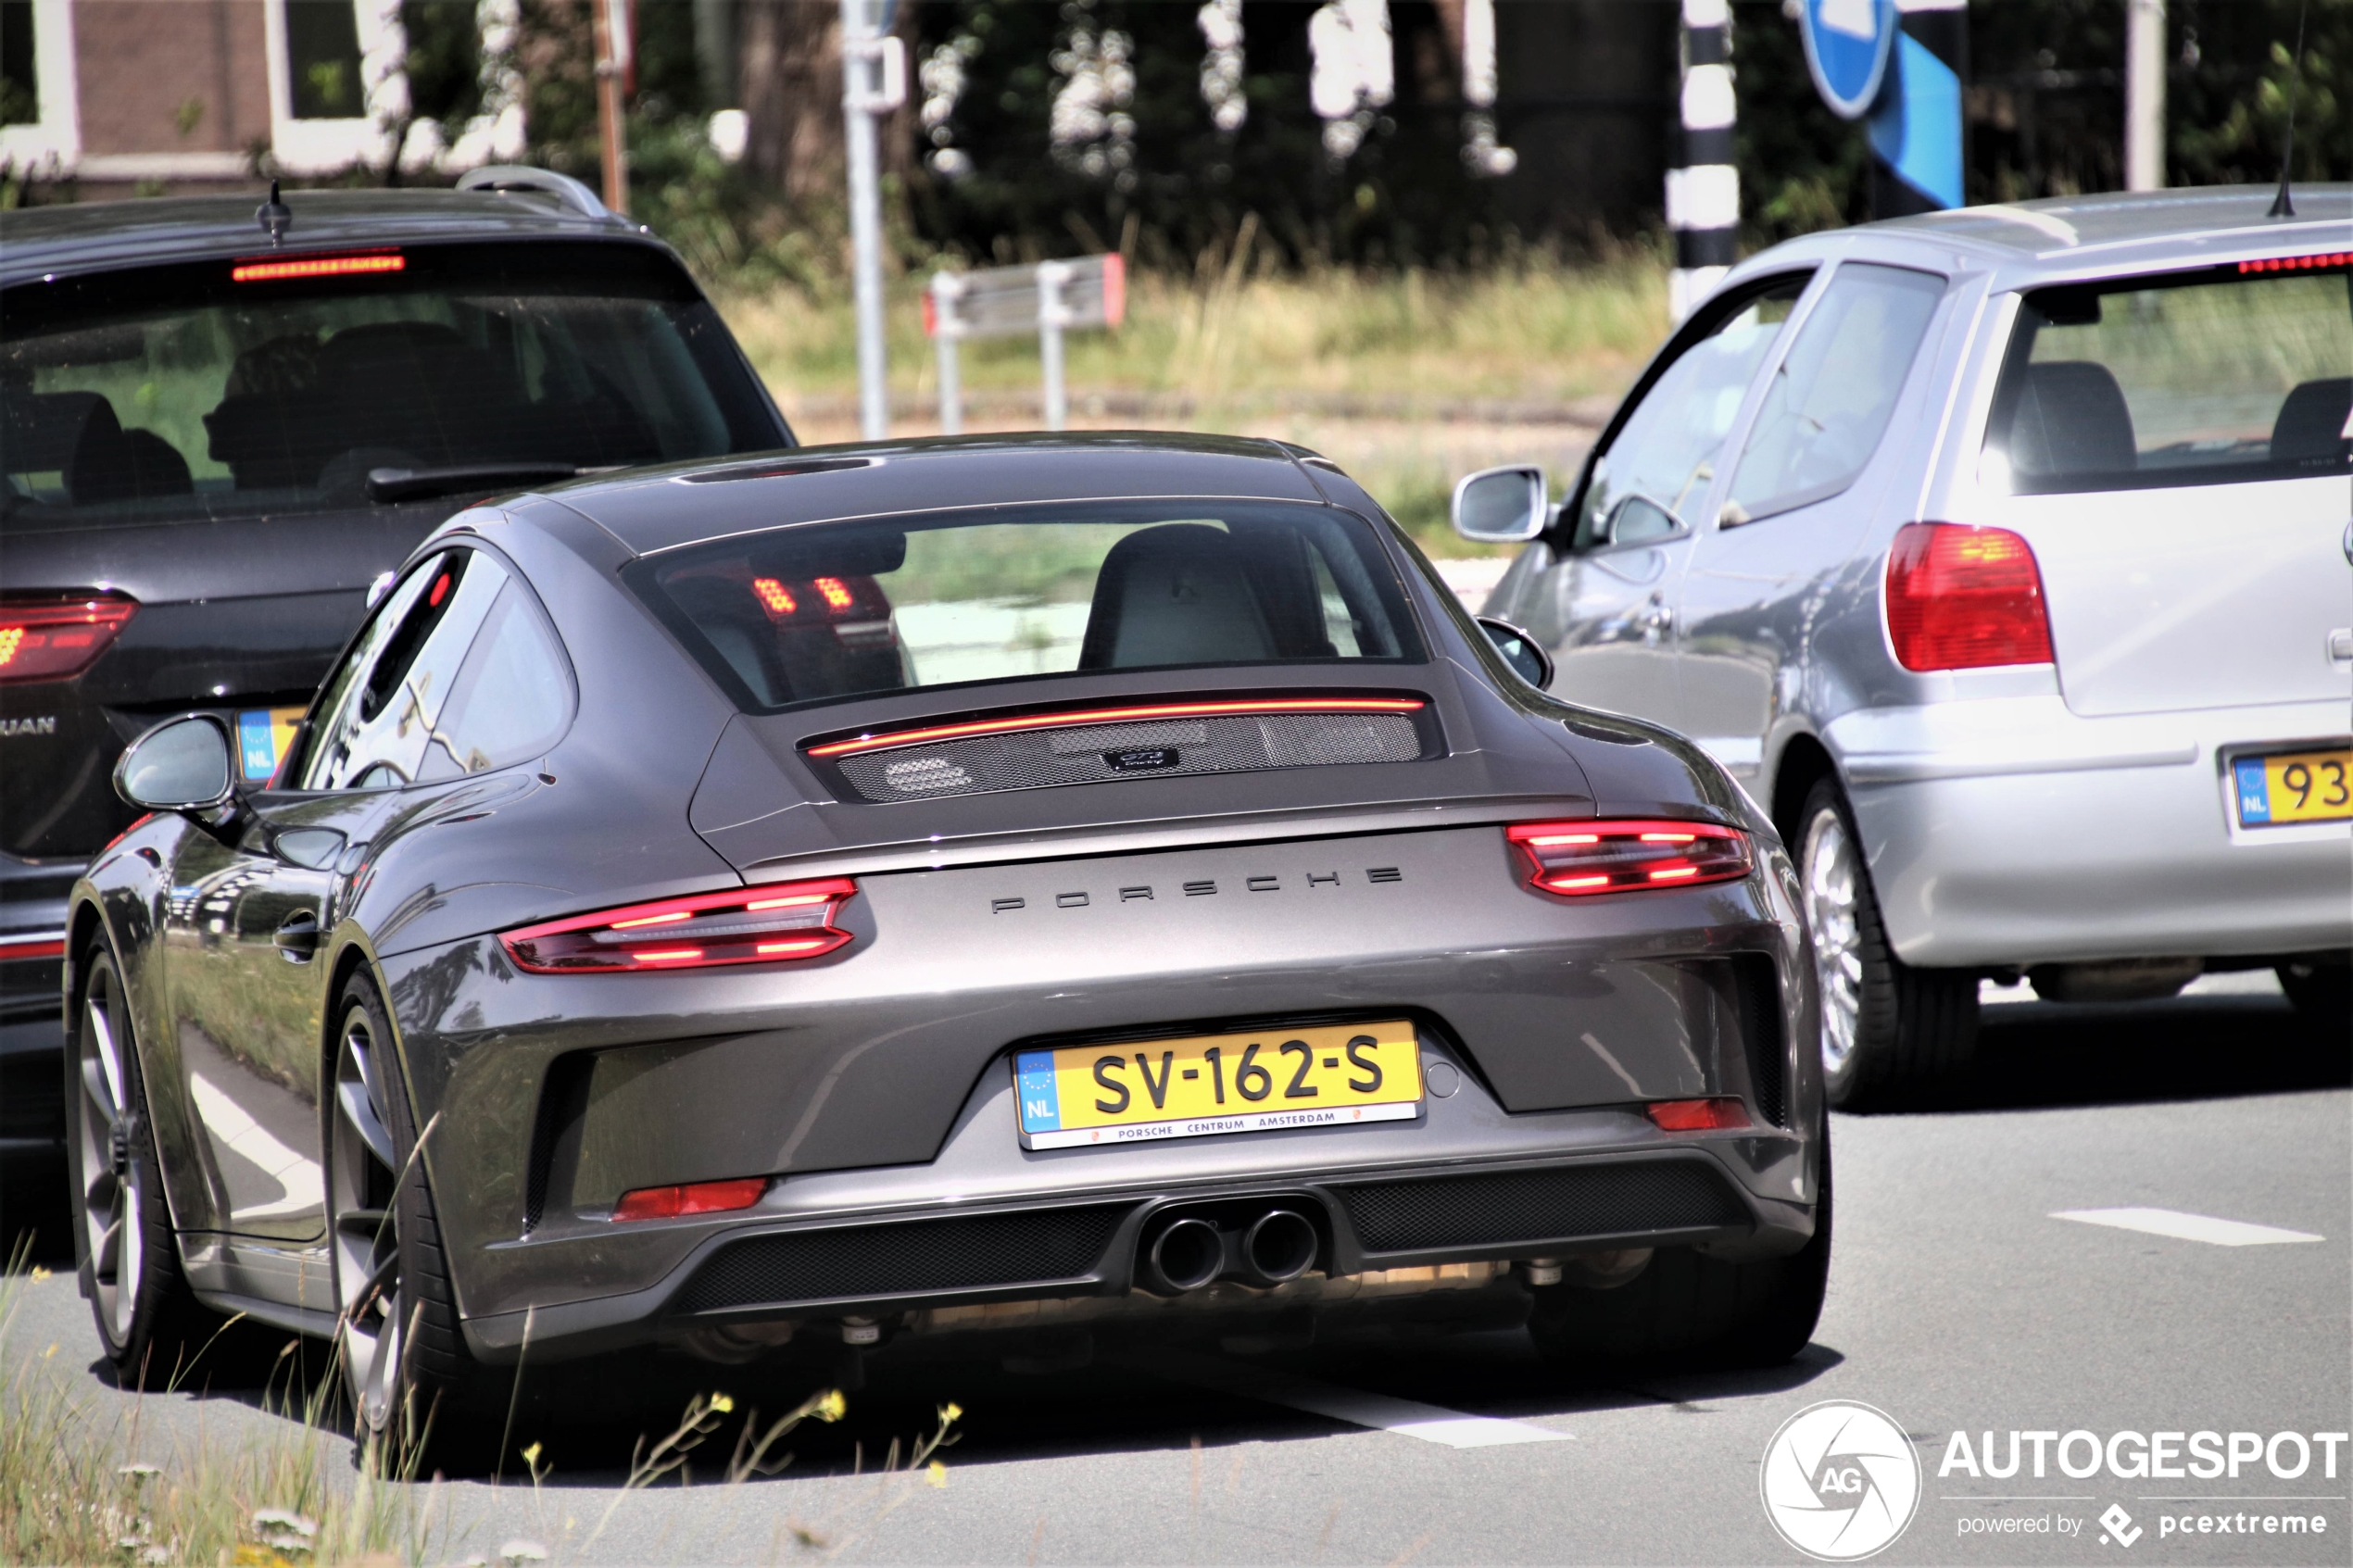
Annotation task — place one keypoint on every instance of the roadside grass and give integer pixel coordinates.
(83, 1485)
(1535, 329)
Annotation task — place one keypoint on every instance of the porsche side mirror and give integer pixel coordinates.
(1523, 653)
(1503, 506)
(182, 764)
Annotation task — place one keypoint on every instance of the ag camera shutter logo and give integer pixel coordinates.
(1840, 1481)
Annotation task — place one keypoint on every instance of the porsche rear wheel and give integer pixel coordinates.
(150, 1322)
(1889, 1030)
(417, 1395)
(1688, 1311)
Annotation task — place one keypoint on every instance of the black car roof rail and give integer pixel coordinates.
(521, 177)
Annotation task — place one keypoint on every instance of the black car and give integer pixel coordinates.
(1085, 886)
(220, 426)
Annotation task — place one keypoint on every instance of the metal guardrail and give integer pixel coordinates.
(1048, 299)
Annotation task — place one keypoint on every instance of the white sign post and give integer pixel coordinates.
(1048, 299)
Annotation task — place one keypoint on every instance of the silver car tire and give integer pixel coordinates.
(150, 1322)
(1890, 1033)
(419, 1402)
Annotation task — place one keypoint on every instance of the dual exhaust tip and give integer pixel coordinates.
(1188, 1253)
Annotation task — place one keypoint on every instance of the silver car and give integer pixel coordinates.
(2002, 555)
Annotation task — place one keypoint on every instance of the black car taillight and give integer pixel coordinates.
(780, 923)
(56, 637)
(1575, 858)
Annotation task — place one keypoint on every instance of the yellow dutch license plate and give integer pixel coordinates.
(2293, 786)
(1336, 1074)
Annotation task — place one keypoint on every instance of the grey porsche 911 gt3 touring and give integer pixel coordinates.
(1097, 886)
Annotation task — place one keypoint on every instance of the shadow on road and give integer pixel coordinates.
(2033, 1055)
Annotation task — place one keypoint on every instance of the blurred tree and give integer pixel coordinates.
(2046, 104)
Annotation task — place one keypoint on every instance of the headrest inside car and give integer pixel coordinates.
(1177, 594)
(2071, 418)
(2310, 426)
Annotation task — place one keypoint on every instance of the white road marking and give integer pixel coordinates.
(2186, 1227)
(1431, 1423)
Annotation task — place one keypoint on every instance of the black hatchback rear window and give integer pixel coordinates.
(798, 616)
(280, 384)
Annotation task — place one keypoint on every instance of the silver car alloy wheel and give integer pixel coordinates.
(1833, 882)
(113, 1183)
(365, 1180)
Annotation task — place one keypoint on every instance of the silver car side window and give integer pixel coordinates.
(1667, 450)
(1833, 393)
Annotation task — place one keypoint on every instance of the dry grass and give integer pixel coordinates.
(1408, 380)
(1535, 332)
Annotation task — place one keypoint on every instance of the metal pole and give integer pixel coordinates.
(1703, 195)
(947, 330)
(2144, 94)
(1052, 319)
(609, 29)
(861, 90)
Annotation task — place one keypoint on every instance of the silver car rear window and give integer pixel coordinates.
(819, 613)
(2229, 374)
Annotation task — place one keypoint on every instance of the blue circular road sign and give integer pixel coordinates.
(1847, 43)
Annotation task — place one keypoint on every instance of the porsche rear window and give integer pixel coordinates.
(819, 613)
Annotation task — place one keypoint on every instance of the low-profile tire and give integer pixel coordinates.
(420, 1402)
(2322, 992)
(1891, 1034)
(1690, 1312)
(150, 1324)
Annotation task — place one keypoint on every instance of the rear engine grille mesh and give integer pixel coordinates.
(1037, 1246)
(1537, 1206)
(1159, 748)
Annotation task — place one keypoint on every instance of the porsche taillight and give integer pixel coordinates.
(780, 923)
(1574, 858)
(49, 637)
(1965, 598)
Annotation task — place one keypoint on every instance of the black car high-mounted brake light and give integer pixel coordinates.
(1575, 859)
(779, 923)
(259, 272)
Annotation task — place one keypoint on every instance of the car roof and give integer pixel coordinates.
(654, 510)
(2058, 238)
(95, 236)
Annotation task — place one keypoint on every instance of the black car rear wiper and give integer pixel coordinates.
(410, 485)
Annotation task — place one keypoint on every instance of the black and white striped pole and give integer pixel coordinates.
(1704, 192)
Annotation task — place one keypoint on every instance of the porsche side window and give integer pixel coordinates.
(512, 699)
(393, 688)
(1835, 390)
(1665, 450)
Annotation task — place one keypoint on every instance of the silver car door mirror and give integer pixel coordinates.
(1523, 653)
(182, 764)
(1504, 505)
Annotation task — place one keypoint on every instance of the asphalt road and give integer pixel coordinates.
(1960, 1300)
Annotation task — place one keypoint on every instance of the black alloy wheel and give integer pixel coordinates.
(149, 1321)
(1889, 1032)
(413, 1387)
